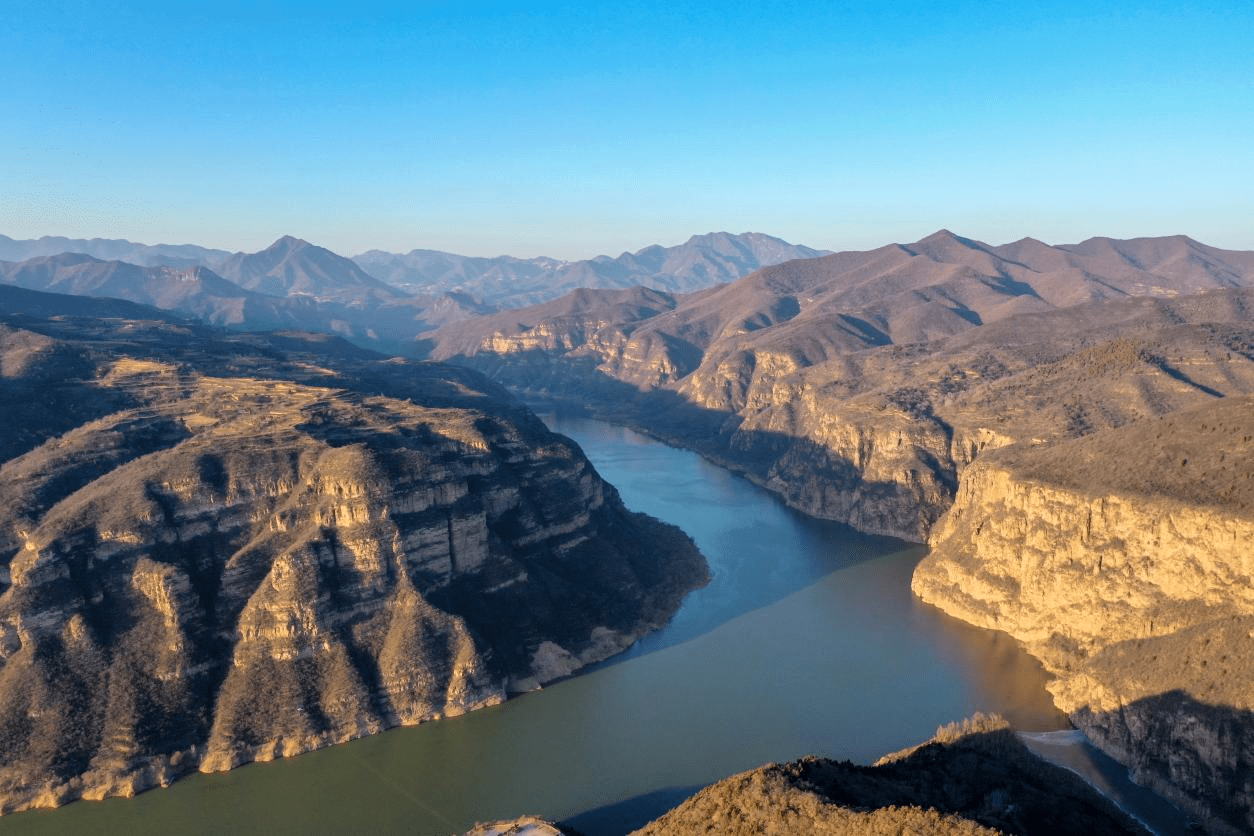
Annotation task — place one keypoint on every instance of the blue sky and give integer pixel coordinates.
(572, 129)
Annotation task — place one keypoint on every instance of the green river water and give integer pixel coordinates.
(806, 641)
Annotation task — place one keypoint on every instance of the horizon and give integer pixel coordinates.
(352, 255)
(569, 133)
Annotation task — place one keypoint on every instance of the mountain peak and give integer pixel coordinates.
(288, 242)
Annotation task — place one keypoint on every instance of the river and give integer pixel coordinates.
(806, 641)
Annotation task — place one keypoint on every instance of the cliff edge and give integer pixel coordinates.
(1122, 560)
(241, 547)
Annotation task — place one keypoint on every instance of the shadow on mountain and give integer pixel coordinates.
(819, 478)
(629, 814)
(970, 774)
(759, 579)
(1198, 755)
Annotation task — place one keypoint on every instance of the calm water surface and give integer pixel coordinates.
(806, 641)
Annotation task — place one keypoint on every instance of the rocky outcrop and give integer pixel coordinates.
(974, 780)
(256, 546)
(1122, 560)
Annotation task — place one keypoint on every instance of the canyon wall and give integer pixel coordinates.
(1123, 561)
(879, 389)
(255, 547)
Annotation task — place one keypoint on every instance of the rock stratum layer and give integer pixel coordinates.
(859, 385)
(222, 548)
(1123, 560)
(1084, 406)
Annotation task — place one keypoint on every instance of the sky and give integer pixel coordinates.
(574, 129)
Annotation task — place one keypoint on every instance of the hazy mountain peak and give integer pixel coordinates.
(710, 237)
(289, 241)
(945, 236)
(700, 262)
(292, 266)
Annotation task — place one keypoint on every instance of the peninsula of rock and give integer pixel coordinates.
(218, 548)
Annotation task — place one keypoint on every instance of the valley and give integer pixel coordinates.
(1065, 426)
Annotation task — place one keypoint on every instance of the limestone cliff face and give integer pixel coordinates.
(1135, 587)
(882, 468)
(860, 395)
(261, 555)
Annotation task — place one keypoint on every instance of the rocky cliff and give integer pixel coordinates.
(859, 385)
(881, 388)
(244, 547)
(1122, 560)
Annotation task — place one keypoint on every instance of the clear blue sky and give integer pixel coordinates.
(571, 129)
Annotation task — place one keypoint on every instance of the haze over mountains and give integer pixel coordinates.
(112, 249)
(702, 261)
(449, 286)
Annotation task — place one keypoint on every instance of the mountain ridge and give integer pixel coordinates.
(294, 267)
(883, 388)
(508, 282)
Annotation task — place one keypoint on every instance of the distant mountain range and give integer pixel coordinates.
(192, 291)
(292, 267)
(451, 287)
(113, 249)
(505, 282)
(809, 311)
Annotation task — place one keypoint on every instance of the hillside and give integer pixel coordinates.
(979, 781)
(218, 548)
(292, 267)
(1065, 425)
(1121, 559)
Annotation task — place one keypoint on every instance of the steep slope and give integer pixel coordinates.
(1121, 559)
(859, 384)
(244, 547)
(702, 261)
(292, 267)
